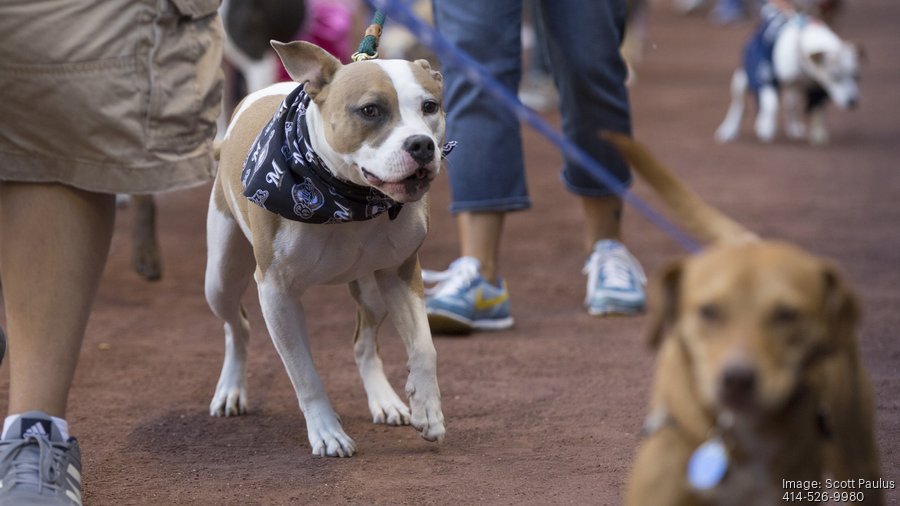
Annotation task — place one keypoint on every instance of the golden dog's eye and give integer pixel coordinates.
(370, 111)
(710, 313)
(785, 316)
(430, 107)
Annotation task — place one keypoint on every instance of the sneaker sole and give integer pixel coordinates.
(616, 311)
(494, 323)
(448, 323)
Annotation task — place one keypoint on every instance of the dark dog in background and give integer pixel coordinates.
(249, 26)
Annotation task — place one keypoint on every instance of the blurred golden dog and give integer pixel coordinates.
(759, 390)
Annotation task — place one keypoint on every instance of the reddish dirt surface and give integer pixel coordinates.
(547, 413)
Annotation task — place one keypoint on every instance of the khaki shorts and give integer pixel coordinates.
(109, 95)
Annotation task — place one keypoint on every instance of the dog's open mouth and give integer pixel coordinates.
(407, 189)
(417, 175)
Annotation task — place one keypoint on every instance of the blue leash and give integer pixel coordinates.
(475, 73)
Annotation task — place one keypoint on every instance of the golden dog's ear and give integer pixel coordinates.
(842, 309)
(307, 63)
(663, 302)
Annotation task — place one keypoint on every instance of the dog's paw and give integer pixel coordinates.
(387, 408)
(147, 263)
(765, 131)
(796, 131)
(427, 416)
(229, 402)
(726, 133)
(327, 438)
(818, 137)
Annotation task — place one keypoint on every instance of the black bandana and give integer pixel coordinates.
(283, 174)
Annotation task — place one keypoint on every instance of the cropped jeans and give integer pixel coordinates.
(486, 170)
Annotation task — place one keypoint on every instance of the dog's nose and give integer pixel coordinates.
(853, 103)
(420, 148)
(738, 382)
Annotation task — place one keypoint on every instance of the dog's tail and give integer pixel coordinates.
(698, 217)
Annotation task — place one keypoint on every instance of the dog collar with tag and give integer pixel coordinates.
(283, 174)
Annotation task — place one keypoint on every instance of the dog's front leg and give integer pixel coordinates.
(766, 118)
(405, 300)
(731, 125)
(384, 403)
(286, 323)
(793, 121)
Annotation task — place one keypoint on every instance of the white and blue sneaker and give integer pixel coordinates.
(461, 300)
(615, 284)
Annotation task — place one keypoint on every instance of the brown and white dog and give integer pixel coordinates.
(360, 120)
(759, 394)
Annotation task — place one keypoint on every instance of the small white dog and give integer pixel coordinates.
(323, 183)
(800, 57)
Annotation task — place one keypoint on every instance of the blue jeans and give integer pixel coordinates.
(486, 170)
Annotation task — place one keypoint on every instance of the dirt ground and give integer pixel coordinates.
(546, 413)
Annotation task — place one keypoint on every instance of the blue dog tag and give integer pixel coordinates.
(708, 465)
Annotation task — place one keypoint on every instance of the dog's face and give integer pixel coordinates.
(752, 318)
(836, 67)
(382, 118)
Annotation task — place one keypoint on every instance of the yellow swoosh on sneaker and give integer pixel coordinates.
(482, 304)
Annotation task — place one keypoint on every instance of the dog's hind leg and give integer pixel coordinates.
(384, 403)
(731, 125)
(404, 297)
(767, 117)
(229, 266)
(818, 130)
(286, 322)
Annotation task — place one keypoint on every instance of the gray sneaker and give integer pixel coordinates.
(37, 466)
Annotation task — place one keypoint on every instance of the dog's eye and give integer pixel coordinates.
(430, 107)
(785, 316)
(710, 313)
(370, 111)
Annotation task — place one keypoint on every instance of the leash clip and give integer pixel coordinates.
(360, 56)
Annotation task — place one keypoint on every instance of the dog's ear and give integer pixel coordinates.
(663, 302)
(818, 58)
(434, 73)
(307, 63)
(841, 307)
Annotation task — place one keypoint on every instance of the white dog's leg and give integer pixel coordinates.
(287, 325)
(404, 297)
(818, 131)
(731, 125)
(228, 269)
(793, 120)
(384, 403)
(767, 117)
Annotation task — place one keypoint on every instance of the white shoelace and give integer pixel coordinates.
(616, 265)
(461, 273)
